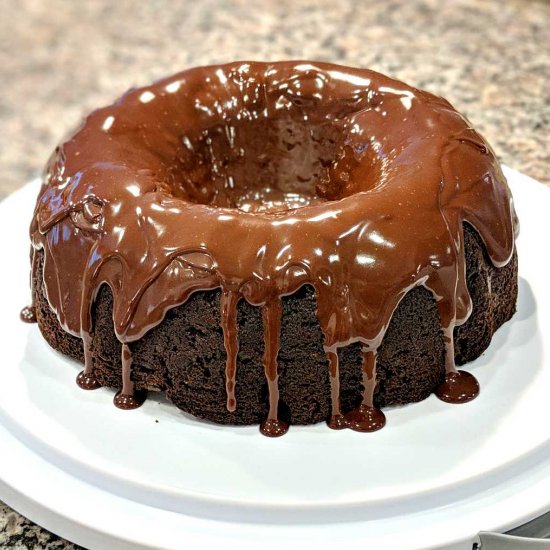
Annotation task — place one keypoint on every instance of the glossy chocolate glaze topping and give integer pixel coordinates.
(258, 178)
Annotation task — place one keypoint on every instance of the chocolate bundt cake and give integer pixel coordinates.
(275, 243)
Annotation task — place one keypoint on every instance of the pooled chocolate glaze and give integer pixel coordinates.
(87, 381)
(128, 402)
(127, 398)
(365, 419)
(458, 387)
(28, 314)
(258, 178)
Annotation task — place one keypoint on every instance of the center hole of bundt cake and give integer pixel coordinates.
(265, 164)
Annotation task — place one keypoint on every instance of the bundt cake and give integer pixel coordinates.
(275, 243)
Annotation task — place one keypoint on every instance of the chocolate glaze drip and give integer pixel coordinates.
(229, 302)
(127, 398)
(271, 313)
(87, 381)
(258, 178)
(129, 402)
(28, 314)
(337, 420)
(367, 417)
(458, 387)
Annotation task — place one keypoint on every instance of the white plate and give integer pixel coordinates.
(156, 478)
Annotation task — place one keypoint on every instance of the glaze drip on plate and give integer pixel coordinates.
(28, 314)
(259, 178)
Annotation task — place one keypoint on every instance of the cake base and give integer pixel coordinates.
(185, 356)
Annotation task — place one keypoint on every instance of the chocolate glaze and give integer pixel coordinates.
(127, 398)
(365, 419)
(129, 402)
(229, 302)
(259, 178)
(28, 314)
(458, 387)
(87, 381)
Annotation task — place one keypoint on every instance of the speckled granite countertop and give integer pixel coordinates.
(59, 59)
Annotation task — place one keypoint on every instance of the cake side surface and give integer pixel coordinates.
(185, 357)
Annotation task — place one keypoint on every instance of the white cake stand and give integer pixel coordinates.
(156, 478)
